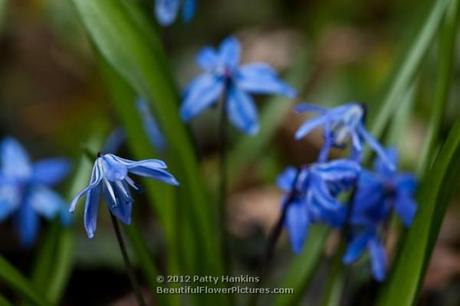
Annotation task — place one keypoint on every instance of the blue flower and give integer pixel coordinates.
(151, 127)
(341, 125)
(167, 10)
(223, 76)
(110, 176)
(368, 240)
(312, 196)
(25, 192)
(383, 191)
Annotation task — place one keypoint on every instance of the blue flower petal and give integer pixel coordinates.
(158, 174)
(308, 107)
(151, 127)
(207, 59)
(309, 125)
(113, 170)
(201, 93)
(50, 171)
(96, 178)
(340, 169)
(356, 248)
(260, 78)
(10, 197)
(27, 222)
(166, 11)
(406, 208)
(406, 182)
(91, 211)
(123, 207)
(45, 202)
(374, 144)
(230, 51)
(297, 223)
(378, 259)
(242, 111)
(286, 179)
(114, 141)
(188, 10)
(380, 165)
(15, 162)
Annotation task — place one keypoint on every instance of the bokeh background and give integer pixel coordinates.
(53, 99)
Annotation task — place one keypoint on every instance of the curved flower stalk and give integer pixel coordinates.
(166, 11)
(223, 76)
(313, 196)
(378, 194)
(110, 177)
(25, 192)
(341, 125)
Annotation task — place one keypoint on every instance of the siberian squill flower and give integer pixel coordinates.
(25, 192)
(341, 125)
(110, 177)
(167, 10)
(312, 196)
(223, 76)
(378, 194)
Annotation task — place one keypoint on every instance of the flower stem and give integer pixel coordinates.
(129, 268)
(223, 125)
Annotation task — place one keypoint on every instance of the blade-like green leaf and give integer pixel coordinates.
(302, 268)
(125, 48)
(436, 188)
(4, 301)
(409, 66)
(14, 279)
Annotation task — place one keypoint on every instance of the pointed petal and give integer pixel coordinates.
(155, 173)
(297, 223)
(356, 248)
(339, 169)
(374, 144)
(406, 182)
(10, 197)
(308, 107)
(122, 210)
(242, 111)
(27, 223)
(230, 51)
(308, 126)
(113, 170)
(406, 208)
(201, 93)
(15, 161)
(91, 211)
(45, 202)
(96, 178)
(166, 11)
(260, 78)
(378, 259)
(151, 126)
(381, 166)
(286, 179)
(50, 171)
(188, 10)
(207, 59)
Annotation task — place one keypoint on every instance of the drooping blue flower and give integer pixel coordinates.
(166, 10)
(368, 240)
(151, 127)
(25, 192)
(383, 191)
(110, 177)
(312, 196)
(341, 125)
(223, 75)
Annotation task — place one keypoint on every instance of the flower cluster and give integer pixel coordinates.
(316, 194)
(25, 189)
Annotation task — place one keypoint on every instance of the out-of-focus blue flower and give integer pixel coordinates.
(25, 192)
(114, 141)
(151, 127)
(341, 125)
(167, 10)
(368, 240)
(224, 76)
(382, 191)
(110, 176)
(312, 196)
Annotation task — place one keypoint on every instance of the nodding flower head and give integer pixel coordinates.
(223, 75)
(166, 10)
(111, 178)
(312, 196)
(341, 125)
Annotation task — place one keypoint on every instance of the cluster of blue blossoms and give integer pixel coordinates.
(315, 192)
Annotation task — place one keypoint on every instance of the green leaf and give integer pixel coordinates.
(142, 64)
(302, 268)
(409, 66)
(436, 189)
(4, 301)
(14, 279)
